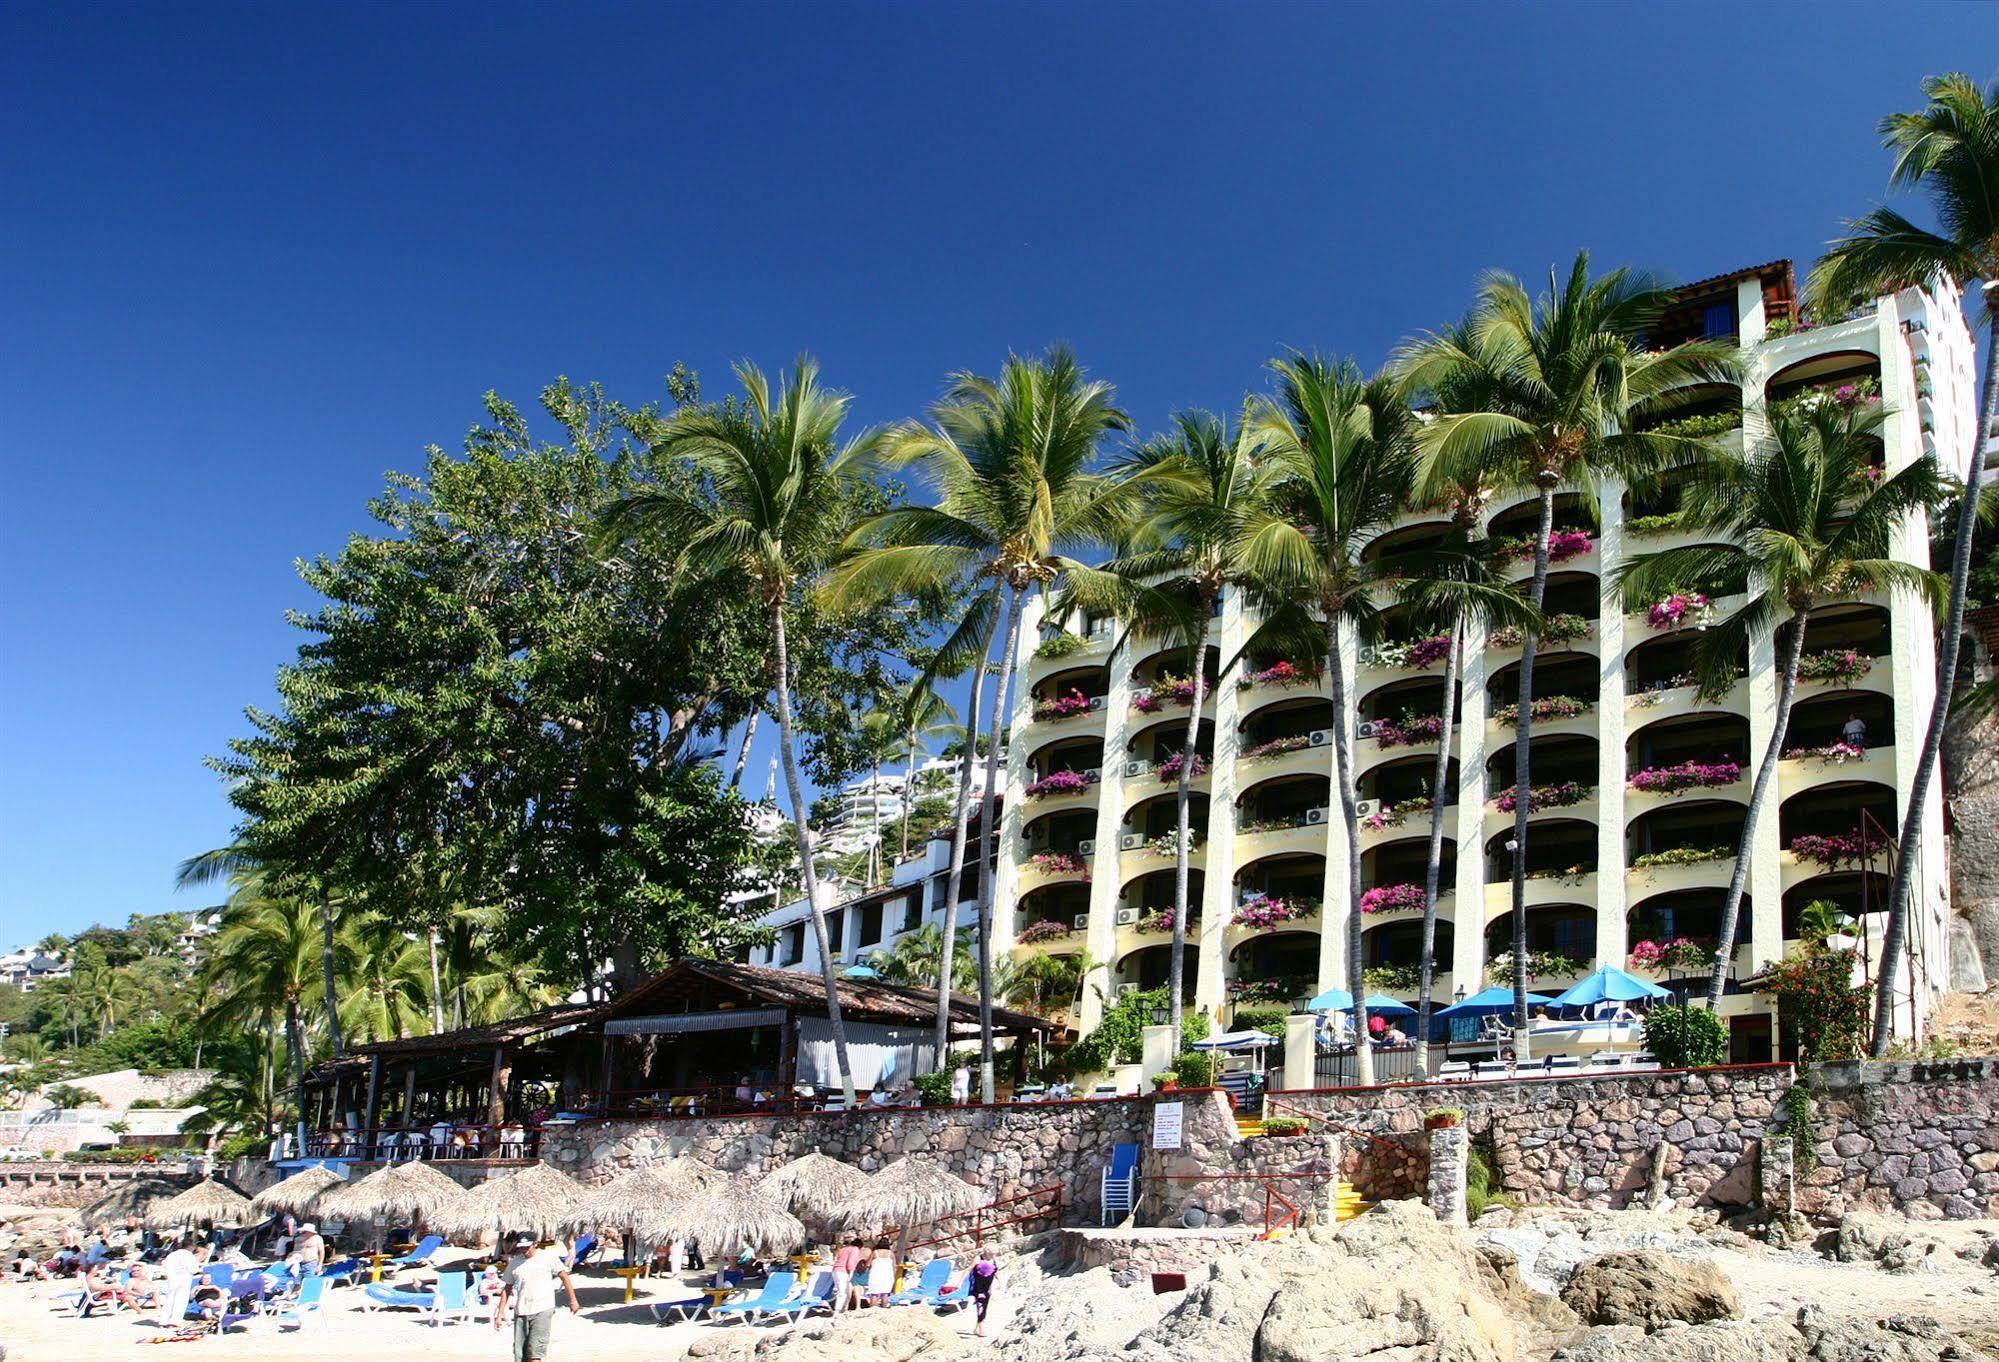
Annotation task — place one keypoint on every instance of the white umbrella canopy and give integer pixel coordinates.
(638, 1202)
(130, 1201)
(206, 1203)
(299, 1193)
(906, 1193)
(814, 1186)
(536, 1200)
(395, 1191)
(729, 1213)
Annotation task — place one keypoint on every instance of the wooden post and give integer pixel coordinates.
(373, 1106)
(496, 1093)
(787, 1056)
(409, 1096)
(609, 1070)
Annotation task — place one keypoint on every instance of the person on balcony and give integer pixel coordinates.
(1855, 732)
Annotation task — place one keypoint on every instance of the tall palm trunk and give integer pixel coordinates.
(327, 971)
(1011, 634)
(1350, 820)
(1523, 1042)
(808, 873)
(1895, 936)
(875, 818)
(743, 752)
(1177, 969)
(436, 986)
(1766, 772)
(295, 1040)
(908, 791)
(1434, 873)
(957, 872)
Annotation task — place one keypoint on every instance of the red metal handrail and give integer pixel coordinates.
(982, 1226)
(1288, 1220)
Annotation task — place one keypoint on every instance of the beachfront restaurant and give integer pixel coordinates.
(703, 1037)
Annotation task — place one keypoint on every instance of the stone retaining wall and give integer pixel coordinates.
(1922, 1139)
(74, 1185)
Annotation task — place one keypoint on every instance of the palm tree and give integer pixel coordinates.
(1046, 984)
(915, 957)
(385, 997)
(1806, 522)
(1950, 150)
(1562, 383)
(65, 999)
(1203, 488)
(768, 510)
(264, 961)
(926, 716)
(1345, 448)
(1009, 460)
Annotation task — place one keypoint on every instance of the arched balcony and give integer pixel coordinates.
(1151, 967)
(1418, 538)
(1078, 754)
(1275, 967)
(1854, 625)
(1689, 914)
(1707, 737)
(1159, 815)
(1152, 892)
(1561, 937)
(1846, 376)
(1407, 778)
(1175, 661)
(1168, 738)
(1395, 949)
(1853, 893)
(1856, 718)
(1667, 663)
(1423, 695)
(1067, 905)
(1843, 809)
(1693, 410)
(1671, 833)
(1557, 760)
(1560, 848)
(1064, 694)
(1295, 877)
(1561, 674)
(1286, 716)
(1062, 832)
(1406, 860)
(1523, 518)
(1284, 802)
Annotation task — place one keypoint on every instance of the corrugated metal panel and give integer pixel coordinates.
(682, 1023)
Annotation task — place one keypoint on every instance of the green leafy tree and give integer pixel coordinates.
(1804, 519)
(1949, 151)
(66, 1097)
(266, 964)
(926, 717)
(913, 959)
(1565, 384)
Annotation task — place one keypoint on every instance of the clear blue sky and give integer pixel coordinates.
(253, 257)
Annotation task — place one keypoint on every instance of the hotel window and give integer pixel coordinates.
(1718, 321)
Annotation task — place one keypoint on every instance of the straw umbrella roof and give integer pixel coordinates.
(298, 1193)
(135, 1198)
(815, 1187)
(638, 1202)
(395, 1191)
(906, 1193)
(535, 1200)
(731, 1212)
(208, 1202)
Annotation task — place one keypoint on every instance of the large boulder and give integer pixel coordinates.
(1893, 1243)
(1648, 1288)
(1811, 1336)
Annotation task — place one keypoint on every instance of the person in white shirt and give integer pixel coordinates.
(961, 1086)
(180, 1269)
(531, 1293)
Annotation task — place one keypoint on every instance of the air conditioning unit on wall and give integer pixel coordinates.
(1366, 808)
(1136, 768)
(1130, 841)
(1320, 737)
(1370, 727)
(1314, 817)
(1127, 917)
(1086, 847)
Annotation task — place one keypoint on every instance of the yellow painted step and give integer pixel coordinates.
(1248, 1127)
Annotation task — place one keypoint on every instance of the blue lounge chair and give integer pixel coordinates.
(454, 1304)
(585, 1246)
(1120, 1187)
(929, 1288)
(678, 1312)
(302, 1307)
(389, 1297)
(422, 1253)
(343, 1272)
(818, 1296)
(777, 1289)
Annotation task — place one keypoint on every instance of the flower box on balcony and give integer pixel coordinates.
(1057, 783)
(1170, 768)
(1060, 863)
(1277, 747)
(1045, 930)
(1262, 911)
(1836, 753)
(1066, 706)
(1394, 815)
(1394, 898)
(1408, 729)
(1547, 796)
(1834, 664)
(1688, 775)
(1566, 628)
(1276, 674)
(1682, 607)
(1546, 708)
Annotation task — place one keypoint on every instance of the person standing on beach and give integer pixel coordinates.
(979, 1283)
(531, 1292)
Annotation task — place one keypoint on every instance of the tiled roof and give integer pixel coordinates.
(863, 999)
(1733, 276)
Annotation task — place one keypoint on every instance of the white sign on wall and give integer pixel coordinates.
(1167, 1121)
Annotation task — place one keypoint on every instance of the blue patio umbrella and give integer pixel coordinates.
(861, 972)
(1381, 1005)
(1492, 1002)
(1610, 984)
(1332, 1000)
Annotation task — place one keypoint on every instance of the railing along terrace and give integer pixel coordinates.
(986, 1222)
(513, 1140)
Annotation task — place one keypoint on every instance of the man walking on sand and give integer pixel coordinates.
(531, 1292)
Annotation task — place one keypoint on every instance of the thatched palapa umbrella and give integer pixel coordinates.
(396, 1191)
(299, 1193)
(733, 1212)
(904, 1194)
(813, 1187)
(637, 1203)
(206, 1203)
(129, 1202)
(536, 1201)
